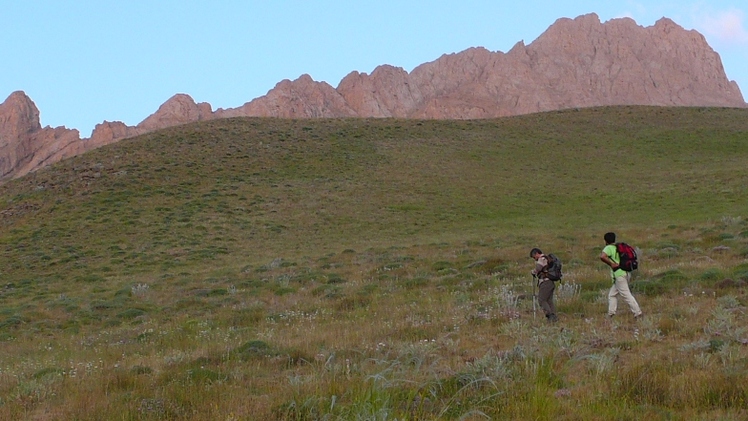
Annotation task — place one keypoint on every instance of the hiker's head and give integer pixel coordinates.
(610, 237)
(535, 252)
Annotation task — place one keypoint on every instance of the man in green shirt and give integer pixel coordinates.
(620, 278)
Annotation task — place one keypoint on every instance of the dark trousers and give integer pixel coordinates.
(545, 298)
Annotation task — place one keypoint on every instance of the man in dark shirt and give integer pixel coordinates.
(545, 285)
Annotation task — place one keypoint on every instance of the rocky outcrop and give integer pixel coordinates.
(111, 131)
(575, 63)
(621, 63)
(301, 98)
(179, 109)
(24, 144)
(388, 92)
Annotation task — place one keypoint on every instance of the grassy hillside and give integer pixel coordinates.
(377, 269)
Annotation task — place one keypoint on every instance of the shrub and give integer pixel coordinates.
(727, 391)
(90, 278)
(131, 313)
(672, 275)
(283, 290)
(351, 303)
(11, 322)
(253, 349)
(441, 266)
(413, 283)
(334, 278)
(644, 383)
(590, 296)
(48, 371)
(327, 291)
(140, 369)
(668, 280)
(649, 287)
(578, 307)
(711, 274)
(204, 375)
(247, 316)
(740, 271)
(217, 292)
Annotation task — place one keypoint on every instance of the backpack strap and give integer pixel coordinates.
(617, 258)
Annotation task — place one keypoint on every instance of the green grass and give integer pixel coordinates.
(378, 269)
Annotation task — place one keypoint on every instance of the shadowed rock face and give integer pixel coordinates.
(575, 63)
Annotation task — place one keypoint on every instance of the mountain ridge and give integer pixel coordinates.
(575, 63)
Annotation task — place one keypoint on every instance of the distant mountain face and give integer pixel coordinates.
(575, 63)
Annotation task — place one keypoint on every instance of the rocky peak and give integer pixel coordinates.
(24, 144)
(111, 131)
(666, 25)
(19, 117)
(300, 98)
(386, 93)
(179, 109)
(578, 62)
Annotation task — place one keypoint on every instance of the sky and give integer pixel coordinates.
(83, 61)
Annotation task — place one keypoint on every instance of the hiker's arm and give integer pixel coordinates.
(540, 264)
(538, 268)
(604, 257)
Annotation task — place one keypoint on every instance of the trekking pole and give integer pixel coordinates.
(533, 297)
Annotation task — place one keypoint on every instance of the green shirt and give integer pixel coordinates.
(611, 251)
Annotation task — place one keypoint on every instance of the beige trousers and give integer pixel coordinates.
(621, 288)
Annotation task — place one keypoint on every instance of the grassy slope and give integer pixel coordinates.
(256, 189)
(241, 223)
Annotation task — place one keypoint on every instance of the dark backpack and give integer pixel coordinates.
(627, 256)
(553, 269)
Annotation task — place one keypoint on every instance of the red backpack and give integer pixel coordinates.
(628, 260)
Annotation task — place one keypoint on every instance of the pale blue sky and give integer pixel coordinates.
(85, 61)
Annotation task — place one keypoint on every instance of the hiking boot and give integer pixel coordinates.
(552, 318)
(638, 316)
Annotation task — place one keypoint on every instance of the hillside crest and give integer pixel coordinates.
(575, 63)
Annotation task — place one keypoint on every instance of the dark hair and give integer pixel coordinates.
(610, 237)
(535, 250)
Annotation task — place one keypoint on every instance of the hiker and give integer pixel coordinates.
(545, 285)
(620, 278)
